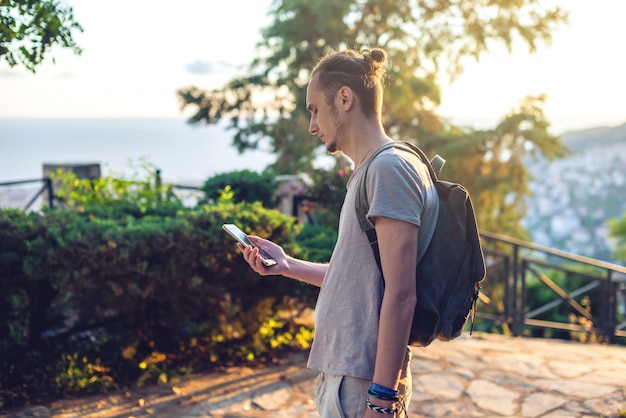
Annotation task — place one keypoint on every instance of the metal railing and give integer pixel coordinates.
(51, 199)
(591, 293)
(46, 187)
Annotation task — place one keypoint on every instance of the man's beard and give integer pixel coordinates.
(331, 145)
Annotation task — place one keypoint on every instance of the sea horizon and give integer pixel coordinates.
(182, 152)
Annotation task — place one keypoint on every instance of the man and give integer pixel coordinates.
(362, 321)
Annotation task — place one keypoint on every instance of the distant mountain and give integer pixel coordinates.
(593, 137)
(573, 198)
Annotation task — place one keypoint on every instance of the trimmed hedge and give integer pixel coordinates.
(89, 302)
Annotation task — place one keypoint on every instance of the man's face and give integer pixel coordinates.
(325, 121)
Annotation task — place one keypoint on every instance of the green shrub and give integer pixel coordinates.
(113, 195)
(245, 186)
(119, 291)
(79, 375)
(327, 193)
(123, 285)
(317, 242)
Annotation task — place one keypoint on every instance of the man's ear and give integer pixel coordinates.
(345, 98)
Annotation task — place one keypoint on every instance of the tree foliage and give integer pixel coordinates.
(618, 231)
(491, 162)
(30, 28)
(425, 39)
(422, 37)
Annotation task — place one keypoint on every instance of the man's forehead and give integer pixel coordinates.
(312, 89)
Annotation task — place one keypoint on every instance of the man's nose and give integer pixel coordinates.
(313, 128)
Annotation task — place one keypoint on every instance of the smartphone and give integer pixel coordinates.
(242, 237)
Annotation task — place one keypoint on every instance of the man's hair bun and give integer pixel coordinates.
(376, 55)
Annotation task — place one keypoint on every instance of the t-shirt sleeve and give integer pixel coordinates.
(395, 189)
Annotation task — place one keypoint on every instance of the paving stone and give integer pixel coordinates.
(576, 389)
(538, 404)
(525, 365)
(296, 411)
(615, 378)
(418, 397)
(561, 414)
(464, 374)
(491, 397)
(570, 369)
(273, 397)
(421, 365)
(607, 406)
(445, 409)
(446, 386)
(577, 409)
(468, 363)
(518, 383)
(482, 376)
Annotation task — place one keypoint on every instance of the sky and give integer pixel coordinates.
(137, 53)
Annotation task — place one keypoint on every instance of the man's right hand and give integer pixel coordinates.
(306, 271)
(252, 257)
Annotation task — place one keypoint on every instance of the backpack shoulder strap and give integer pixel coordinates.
(361, 203)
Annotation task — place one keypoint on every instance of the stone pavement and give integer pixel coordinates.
(482, 375)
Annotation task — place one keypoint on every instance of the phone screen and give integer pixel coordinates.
(235, 232)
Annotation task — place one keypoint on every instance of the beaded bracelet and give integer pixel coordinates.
(380, 396)
(380, 409)
(384, 389)
(383, 393)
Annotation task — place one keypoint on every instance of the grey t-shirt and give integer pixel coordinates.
(348, 305)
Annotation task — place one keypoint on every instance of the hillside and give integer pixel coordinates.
(594, 137)
(573, 198)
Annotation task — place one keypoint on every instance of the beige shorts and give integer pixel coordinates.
(345, 396)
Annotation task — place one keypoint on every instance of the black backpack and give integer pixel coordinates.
(453, 266)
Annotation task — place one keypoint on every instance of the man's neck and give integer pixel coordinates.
(366, 137)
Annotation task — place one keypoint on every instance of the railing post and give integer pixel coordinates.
(517, 306)
(523, 299)
(157, 184)
(508, 288)
(295, 207)
(608, 313)
(48, 182)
